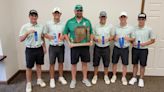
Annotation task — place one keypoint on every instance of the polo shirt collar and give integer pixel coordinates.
(33, 24)
(124, 26)
(77, 21)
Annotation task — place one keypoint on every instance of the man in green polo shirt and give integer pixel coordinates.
(32, 35)
(79, 51)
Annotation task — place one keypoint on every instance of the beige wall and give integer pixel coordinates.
(7, 37)
(14, 13)
(91, 11)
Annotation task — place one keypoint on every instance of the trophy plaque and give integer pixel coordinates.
(81, 33)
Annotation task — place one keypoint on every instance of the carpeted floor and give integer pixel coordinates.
(152, 84)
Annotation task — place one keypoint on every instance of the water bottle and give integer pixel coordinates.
(55, 39)
(103, 40)
(36, 36)
(138, 45)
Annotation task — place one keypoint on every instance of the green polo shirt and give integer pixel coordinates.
(72, 24)
(30, 40)
(143, 35)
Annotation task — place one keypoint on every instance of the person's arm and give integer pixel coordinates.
(112, 33)
(148, 42)
(25, 35)
(131, 38)
(44, 44)
(49, 37)
(91, 34)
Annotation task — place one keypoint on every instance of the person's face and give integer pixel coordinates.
(78, 13)
(123, 19)
(103, 19)
(56, 15)
(141, 21)
(33, 18)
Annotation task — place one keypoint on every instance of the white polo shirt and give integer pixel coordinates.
(123, 32)
(52, 28)
(103, 30)
(143, 35)
(30, 40)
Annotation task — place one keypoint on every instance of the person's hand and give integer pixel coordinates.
(61, 38)
(30, 32)
(91, 43)
(143, 44)
(98, 40)
(107, 40)
(116, 38)
(51, 37)
(127, 38)
(134, 44)
(70, 45)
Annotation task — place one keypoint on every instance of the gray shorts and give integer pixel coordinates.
(56, 52)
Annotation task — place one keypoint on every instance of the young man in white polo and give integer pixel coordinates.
(32, 35)
(53, 31)
(143, 38)
(121, 49)
(102, 36)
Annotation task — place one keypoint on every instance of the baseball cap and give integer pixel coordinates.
(78, 7)
(123, 14)
(103, 14)
(56, 9)
(142, 15)
(33, 12)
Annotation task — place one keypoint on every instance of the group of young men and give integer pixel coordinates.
(123, 36)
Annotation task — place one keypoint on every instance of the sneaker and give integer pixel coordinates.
(52, 83)
(87, 83)
(106, 79)
(133, 80)
(141, 83)
(73, 84)
(114, 77)
(41, 82)
(62, 80)
(124, 81)
(28, 87)
(94, 80)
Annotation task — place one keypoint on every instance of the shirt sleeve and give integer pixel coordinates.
(132, 34)
(22, 31)
(45, 29)
(90, 26)
(112, 33)
(66, 28)
(151, 34)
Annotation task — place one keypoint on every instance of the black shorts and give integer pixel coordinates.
(34, 55)
(56, 52)
(103, 52)
(139, 55)
(80, 52)
(120, 52)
